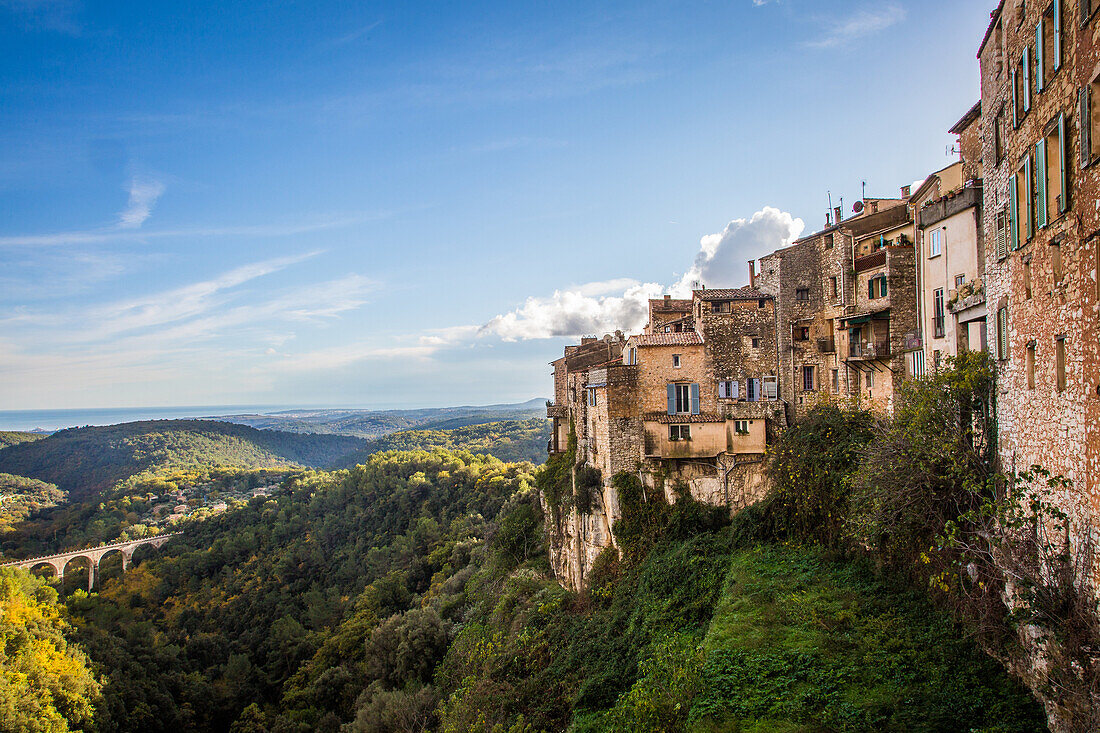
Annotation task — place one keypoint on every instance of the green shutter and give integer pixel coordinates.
(1026, 62)
(1015, 100)
(1013, 216)
(1057, 50)
(1041, 183)
(1039, 55)
(1029, 198)
(1063, 146)
(672, 399)
(883, 286)
(871, 288)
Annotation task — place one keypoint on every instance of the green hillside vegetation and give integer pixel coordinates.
(413, 593)
(21, 496)
(87, 460)
(15, 437)
(509, 440)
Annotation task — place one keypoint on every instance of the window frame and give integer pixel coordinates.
(935, 243)
(679, 432)
(808, 377)
(939, 314)
(677, 361)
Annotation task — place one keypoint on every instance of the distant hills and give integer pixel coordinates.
(86, 461)
(15, 437)
(377, 423)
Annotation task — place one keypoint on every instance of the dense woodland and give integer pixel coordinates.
(508, 440)
(413, 593)
(14, 437)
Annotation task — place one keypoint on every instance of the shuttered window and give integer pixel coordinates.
(771, 388)
(729, 390)
(1025, 81)
(1014, 219)
(1063, 198)
(1056, 51)
(1015, 98)
(1002, 232)
(1039, 44)
(1084, 124)
(1002, 333)
(1041, 183)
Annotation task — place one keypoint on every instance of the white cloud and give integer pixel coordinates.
(862, 22)
(623, 304)
(144, 193)
(344, 355)
(723, 257)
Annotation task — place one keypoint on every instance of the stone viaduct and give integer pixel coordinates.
(93, 555)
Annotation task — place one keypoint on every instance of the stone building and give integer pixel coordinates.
(1041, 211)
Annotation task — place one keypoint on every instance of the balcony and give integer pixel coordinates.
(558, 411)
(868, 262)
(869, 350)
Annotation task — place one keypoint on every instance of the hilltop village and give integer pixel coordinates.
(997, 252)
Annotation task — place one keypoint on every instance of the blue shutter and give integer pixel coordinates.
(694, 399)
(1041, 183)
(1039, 56)
(672, 399)
(1063, 146)
(722, 390)
(1057, 50)
(755, 390)
(735, 390)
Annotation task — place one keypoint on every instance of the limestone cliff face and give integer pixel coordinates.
(577, 538)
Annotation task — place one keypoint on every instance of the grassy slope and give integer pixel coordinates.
(508, 440)
(86, 460)
(798, 643)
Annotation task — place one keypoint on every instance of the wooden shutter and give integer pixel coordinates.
(1041, 183)
(1057, 50)
(735, 390)
(871, 287)
(1026, 62)
(1086, 10)
(722, 390)
(1063, 146)
(1084, 125)
(1029, 199)
(1002, 234)
(755, 390)
(694, 399)
(1039, 55)
(672, 399)
(883, 287)
(1013, 218)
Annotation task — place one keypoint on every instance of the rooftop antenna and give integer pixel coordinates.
(864, 189)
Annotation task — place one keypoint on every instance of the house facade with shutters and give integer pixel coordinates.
(1040, 72)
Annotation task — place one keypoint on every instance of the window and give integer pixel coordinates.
(762, 303)
(1021, 206)
(834, 288)
(729, 390)
(771, 388)
(918, 364)
(1086, 7)
(1002, 333)
(1029, 364)
(752, 388)
(855, 382)
(756, 342)
(876, 287)
(720, 306)
(1050, 173)
(870, 380)
(1027, 279)
(591, 396)
(741, 426)
(960, 280)
(1003, 228)
(1021, 87)
(808, 378)
(1056, 262)
(829, 240)
(675, 361)
(802, 294)
(836, 381)
(683, 399)
(935, 243)
(937, 313)
(1048, 45)
(631, 356)
(679, 432)
(998, 139)
(1060, 363)
(802, 333)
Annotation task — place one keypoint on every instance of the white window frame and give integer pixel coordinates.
(677, 361)
(935, 243)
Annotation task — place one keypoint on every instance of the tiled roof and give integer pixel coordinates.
(665, 418)
(730, 294)
(684, 338)
(661, 304)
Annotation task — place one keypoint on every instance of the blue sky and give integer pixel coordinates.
(387, 204)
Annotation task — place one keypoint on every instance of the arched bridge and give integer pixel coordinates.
(93, 556)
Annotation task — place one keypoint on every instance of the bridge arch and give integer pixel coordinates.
(58, 571)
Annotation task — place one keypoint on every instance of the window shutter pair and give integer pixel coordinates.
(1084, 114)
(728, 389)
(694, 399)
(1040, 183)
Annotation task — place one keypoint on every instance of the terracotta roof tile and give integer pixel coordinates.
(661, 417)
(684, 338)
(660, 304)
(730, 294)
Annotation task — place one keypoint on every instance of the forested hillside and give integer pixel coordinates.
(86, 460)
(15, 437)
(508, 440)
(413, 593)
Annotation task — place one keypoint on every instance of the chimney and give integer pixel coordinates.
(838, 213)
(667, 298)
(906, 191)
(828, 220)
(752, 273)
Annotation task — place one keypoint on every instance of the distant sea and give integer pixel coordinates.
(52, 420)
